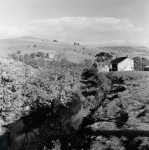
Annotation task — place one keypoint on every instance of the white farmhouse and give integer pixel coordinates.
(122, 64)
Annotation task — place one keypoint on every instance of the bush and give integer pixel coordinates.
(94, 87)
(33, 63)
(87, 63)
(33, 55)
(18, 52)
(140, 63)
(21, 58)
(15, 57)
(27, 59)
(40, 54)
(47, 55)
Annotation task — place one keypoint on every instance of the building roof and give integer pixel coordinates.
(118, 60)
(146, 67)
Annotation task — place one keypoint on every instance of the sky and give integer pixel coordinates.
(92, 22)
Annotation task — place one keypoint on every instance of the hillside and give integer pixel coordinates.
(121, 121)
(72, 52)
(132, 51)
(75, 53)
(38, 103)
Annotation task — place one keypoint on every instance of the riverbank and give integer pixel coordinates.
(123, 121)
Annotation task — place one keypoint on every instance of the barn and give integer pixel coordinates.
(146, 68)
(103, 66)
(122, 64)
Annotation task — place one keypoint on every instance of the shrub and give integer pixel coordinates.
(47, 55)
(18, 52)
(140, 63)
(103, 56)
(27, 59)
(15, 57)
(33, 63)
(40, 54)
(21, 58)
(33, 55)
(87, 63)
(55, 41)
(94, 87)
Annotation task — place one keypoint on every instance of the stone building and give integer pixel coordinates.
(76, 43)
(103, 66)
(122, 64)
(146, 68)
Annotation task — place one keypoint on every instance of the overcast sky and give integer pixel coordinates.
(100, 22)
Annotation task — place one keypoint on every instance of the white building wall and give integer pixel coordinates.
(104, 68)
(126, 65)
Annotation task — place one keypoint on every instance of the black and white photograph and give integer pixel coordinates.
(74, 74)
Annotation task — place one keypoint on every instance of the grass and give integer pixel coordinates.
(10, 46)
(132, 75)
(73, 52)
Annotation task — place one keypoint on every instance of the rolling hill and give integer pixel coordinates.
(72, 52)
(131, 51)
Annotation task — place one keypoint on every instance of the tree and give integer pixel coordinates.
(33, 55)
(103, 56)
(47, 55)
(34, 46)
(87, 63)
(137, 63)
(145, 62)
(33, 63)
(18, 52)
(15, 56)
(140, 63)
(94, 87)
(21, 58)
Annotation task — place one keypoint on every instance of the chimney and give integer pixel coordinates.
(127, 56)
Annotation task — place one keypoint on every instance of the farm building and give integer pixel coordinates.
(51, 55)
(122, 64)
(146, 68)
(76, 43)
(103, 66)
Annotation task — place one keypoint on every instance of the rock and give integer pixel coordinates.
(1, 128)
(103, 126)
(26, 108)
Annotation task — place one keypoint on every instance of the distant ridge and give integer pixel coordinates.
(31, 38)
(124, 49)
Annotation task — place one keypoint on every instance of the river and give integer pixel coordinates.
(62, 121)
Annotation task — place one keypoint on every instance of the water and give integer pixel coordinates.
(61, 121)
(78, 118)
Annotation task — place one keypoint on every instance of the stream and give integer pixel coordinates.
(65, 119)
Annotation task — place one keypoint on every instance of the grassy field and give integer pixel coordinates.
(75, 53)
(72, 52)
(132, 75)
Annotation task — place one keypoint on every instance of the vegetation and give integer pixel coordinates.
(18, 52)
(37, 98)
(103, 56)
(116, 122)
(140, 63)
(47, 90)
